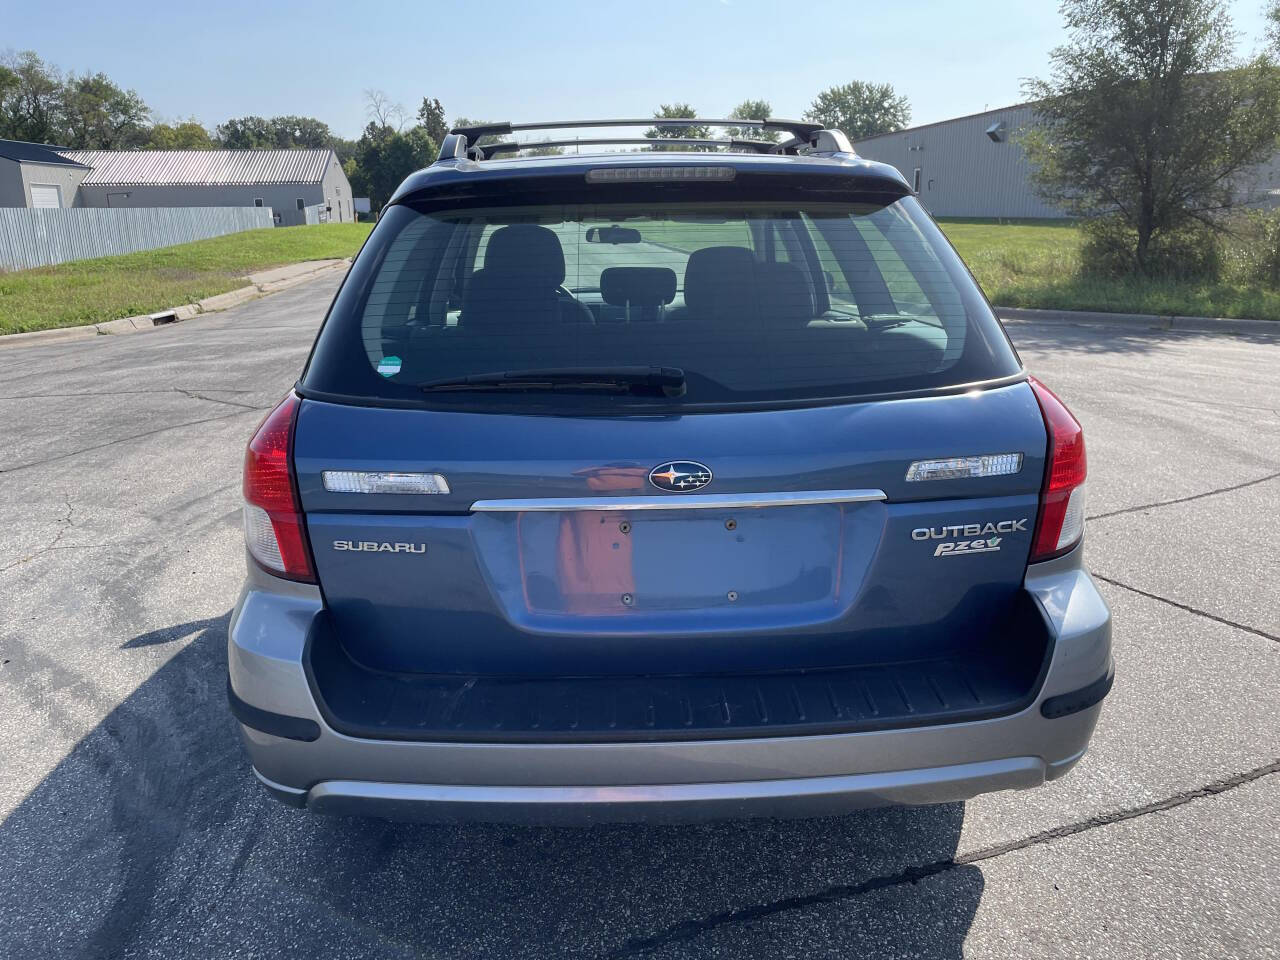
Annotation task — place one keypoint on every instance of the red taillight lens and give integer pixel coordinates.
(273, 524)
(1060, 524)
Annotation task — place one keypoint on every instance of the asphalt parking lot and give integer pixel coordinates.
(133, 828)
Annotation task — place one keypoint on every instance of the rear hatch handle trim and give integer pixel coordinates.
(677, 501)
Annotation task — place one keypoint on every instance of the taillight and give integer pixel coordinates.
(1060, 524)
(273, 524)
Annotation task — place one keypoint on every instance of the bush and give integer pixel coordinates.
(1193, 252)
(1253, 248)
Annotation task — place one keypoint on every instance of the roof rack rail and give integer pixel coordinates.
(461, 142)
(800, 129)
(488, 150)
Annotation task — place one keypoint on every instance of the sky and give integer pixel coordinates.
(552, 59)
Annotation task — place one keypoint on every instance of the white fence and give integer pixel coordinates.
(316, 214)
(37, 238)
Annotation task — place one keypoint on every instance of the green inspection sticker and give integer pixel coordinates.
(389, 366)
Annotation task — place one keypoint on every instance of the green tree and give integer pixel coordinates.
(860, 109)
(245, 133)
(431, 119)
(384, 157)
(752, 110)
(33, 104)
(344, 149)
(291, 131)
(99, 115)
(9, 86)
(187, 134)
(1148, 118)
(670, 111)
(280, 133)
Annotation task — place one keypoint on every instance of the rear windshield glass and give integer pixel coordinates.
(752, 304)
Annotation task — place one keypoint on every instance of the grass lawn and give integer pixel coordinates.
(1034, 264)
(1019, 264)
(92, 291)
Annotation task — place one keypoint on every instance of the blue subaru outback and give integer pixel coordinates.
(662, 485)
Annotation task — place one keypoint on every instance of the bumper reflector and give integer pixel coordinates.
(957, 468)
(359, 481)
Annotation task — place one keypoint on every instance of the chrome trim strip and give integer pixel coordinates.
(727, 501)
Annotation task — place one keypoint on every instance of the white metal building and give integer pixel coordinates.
(287, 181)
(974, 167)
(34, 175)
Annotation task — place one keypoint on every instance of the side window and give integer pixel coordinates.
(483, 245)
(257, 201)
(781, 251)
(301, 203)
(907, 294)
(403, 286)
(837, 282)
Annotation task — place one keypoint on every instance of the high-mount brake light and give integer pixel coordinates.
(1060, 523)
(274, 530)
(652, 174)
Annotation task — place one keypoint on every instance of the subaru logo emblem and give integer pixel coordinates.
(680, 476)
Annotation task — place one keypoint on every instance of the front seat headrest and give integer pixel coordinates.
(639, 286)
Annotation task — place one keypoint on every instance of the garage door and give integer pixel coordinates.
(44, 197)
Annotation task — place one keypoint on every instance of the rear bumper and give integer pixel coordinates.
(658, 781)
(663, 803)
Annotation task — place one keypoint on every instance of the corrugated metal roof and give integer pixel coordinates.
(201, 167)
(25, 152)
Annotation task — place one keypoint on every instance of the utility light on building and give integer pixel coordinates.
(997, 132)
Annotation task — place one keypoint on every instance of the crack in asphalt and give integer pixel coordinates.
(64, 524)
(230, 403)
(691, 929)
(109, 393)
(1194, 496)
(136, 436)
(1187, 608)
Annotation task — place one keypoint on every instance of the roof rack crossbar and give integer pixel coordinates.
(487, 150)
(800, 129)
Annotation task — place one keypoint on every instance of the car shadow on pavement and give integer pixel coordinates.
(152, 838)
(1094, 339)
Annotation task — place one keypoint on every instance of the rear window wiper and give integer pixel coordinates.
(652, 381)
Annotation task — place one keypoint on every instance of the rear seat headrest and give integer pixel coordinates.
(785, 293)
(528, 250)
(719, 280)
(639, 286)
(729, 283)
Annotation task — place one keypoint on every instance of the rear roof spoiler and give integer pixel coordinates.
(806, 135)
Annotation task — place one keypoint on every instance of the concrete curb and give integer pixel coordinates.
(1144, 321)
(147, 322)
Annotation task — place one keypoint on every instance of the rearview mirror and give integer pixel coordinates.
(614, 234)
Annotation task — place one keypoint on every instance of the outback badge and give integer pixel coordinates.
(967, 538)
